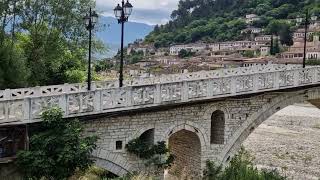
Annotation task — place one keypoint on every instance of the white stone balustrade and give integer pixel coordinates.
(26, 105)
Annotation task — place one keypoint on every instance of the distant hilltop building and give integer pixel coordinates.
(299, 33)
(265, 38)
(252, 30)
(297, 49)
(196, 47)
(262, 45)
(314, 22)
(139, 45)
(250, 18)
(236, 45)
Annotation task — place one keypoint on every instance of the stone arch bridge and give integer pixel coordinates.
(201, 116)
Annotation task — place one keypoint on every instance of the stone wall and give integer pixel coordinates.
(242, 116)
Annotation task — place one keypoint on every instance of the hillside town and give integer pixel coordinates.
(256, 49)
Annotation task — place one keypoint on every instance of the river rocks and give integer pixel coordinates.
(290, 142)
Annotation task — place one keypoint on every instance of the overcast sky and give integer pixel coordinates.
(146, 11)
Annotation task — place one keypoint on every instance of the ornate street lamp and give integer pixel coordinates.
(90, 21)
(122, 13)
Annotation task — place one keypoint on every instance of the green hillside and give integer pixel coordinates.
(223, 20)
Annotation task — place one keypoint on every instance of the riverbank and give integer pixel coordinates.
(290, 142)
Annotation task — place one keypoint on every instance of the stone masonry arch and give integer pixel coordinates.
(190, 126)
(112, 162)
(256, 119)
(139, 132)
(185, 146)
(196, 129)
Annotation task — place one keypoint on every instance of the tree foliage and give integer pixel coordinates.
(13, 69)
(57, 148)
(185, 53)
(222, 20)
(50, 39)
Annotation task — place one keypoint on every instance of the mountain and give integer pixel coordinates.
(111, 33)
(224, 20)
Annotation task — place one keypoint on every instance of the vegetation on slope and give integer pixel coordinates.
(222, 20)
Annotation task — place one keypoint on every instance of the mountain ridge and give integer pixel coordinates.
(111, 33)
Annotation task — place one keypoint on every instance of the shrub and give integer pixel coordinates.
(240, 168)
(57, 148)
(153, 153)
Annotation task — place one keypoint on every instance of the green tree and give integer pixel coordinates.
(13, 69)
(272, 46)
(51, 39)
(283, 29)
(276, 48)
(185, 53)
(248, 53)
(57, 148)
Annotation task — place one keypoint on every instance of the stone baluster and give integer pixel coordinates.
(255, 82)
(6, 111)
(27, 110)
(314, 75)
(233, 85)
(296, 77)
(7, 94)
(210, 88)
(37, 91)
(66, 88)
(276, 82)
(185, 91)
(157, 94)
(63, 103)
(129, 101)
(97, 100)
(93, 86)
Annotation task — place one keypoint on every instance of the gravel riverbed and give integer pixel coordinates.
(290, 142)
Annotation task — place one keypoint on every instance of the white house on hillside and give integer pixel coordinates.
(174, 50)
(250, 18)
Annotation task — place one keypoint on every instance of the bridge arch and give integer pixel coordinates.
(189, 126)
(141, 131)
(256, 119)
(185, 146)
(111, 162)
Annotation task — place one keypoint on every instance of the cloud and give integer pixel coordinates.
(146, 11)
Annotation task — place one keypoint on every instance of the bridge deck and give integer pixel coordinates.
(25, 105)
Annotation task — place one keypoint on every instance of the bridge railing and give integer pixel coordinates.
(75, 100)
(13, 94)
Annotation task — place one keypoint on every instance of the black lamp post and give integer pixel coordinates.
(90, 21)
(306, 23)
(122, 13)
